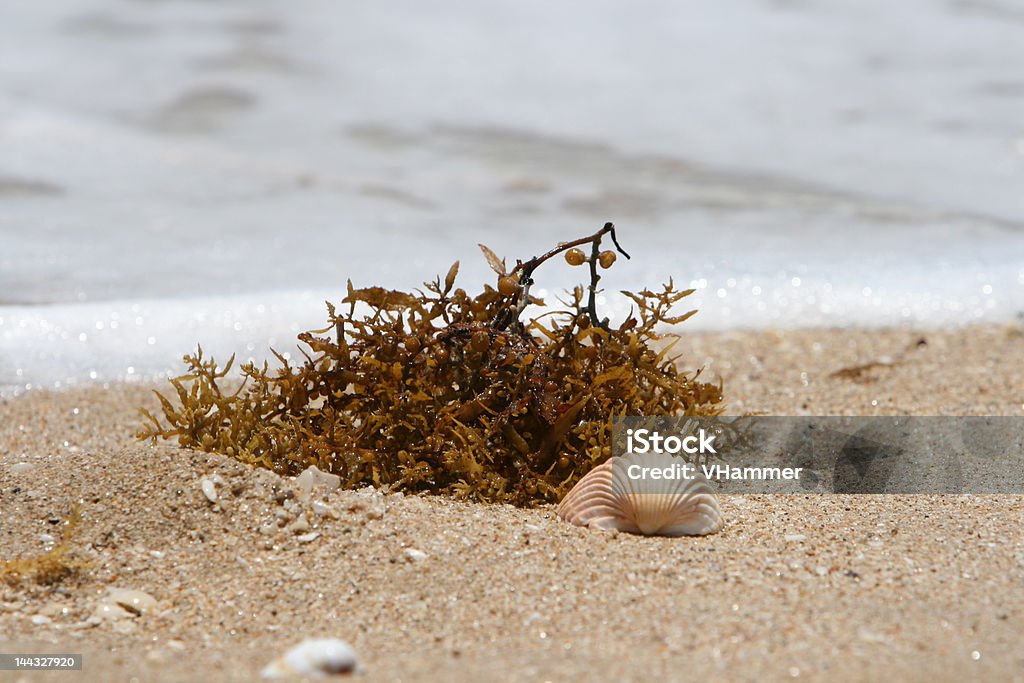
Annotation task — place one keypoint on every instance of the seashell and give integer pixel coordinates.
(135, 602)
(314, 658)
(209, 489)
(607, 497)
(120, 603)
(414, 555)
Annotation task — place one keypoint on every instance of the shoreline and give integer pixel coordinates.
(848, 343)
(796, 586)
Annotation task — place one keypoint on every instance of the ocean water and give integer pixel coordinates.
(175, 172)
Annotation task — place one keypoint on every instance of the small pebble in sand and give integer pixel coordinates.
(122, 603)
(53, 609)
(314, 658)
(91, 622)
(308, 538)
(796, 538)
(322, 509)
(21, 467)
(136, 602)
(41, 619)
(414, 555)
(312, 480)
(107, 611)
(369, 502)
(299, 526)
(209, 489)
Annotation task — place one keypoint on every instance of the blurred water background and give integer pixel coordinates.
(183, 171)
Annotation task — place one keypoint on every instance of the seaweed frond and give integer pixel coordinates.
(444, 392)
(53, 566)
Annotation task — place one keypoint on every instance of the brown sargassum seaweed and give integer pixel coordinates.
(438, 391)
(56, 564)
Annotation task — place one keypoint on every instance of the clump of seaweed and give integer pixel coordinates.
(53, 566)
(442, 392)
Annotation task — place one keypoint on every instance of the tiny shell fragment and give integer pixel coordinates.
(314, 658)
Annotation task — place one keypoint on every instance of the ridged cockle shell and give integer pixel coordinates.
(613, 496)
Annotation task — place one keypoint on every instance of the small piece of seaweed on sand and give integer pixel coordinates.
(439, 391)
(53, 566)
(863, 373)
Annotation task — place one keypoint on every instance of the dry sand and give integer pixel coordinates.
(809, 587)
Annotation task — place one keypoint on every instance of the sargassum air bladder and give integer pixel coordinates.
(608, 497)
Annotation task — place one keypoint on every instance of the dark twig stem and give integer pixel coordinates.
(595, 277)
(525, 270)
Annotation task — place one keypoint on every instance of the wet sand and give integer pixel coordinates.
(806, 587)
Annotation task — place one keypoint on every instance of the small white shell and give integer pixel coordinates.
(607, 498)
(209, 489)
(314, 658)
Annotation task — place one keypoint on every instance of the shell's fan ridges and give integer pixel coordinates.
(592, 500)
(608, 498)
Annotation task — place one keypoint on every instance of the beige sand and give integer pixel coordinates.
(849, 588)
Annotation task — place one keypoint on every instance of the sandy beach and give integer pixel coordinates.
(794, 587)
(836, 185)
